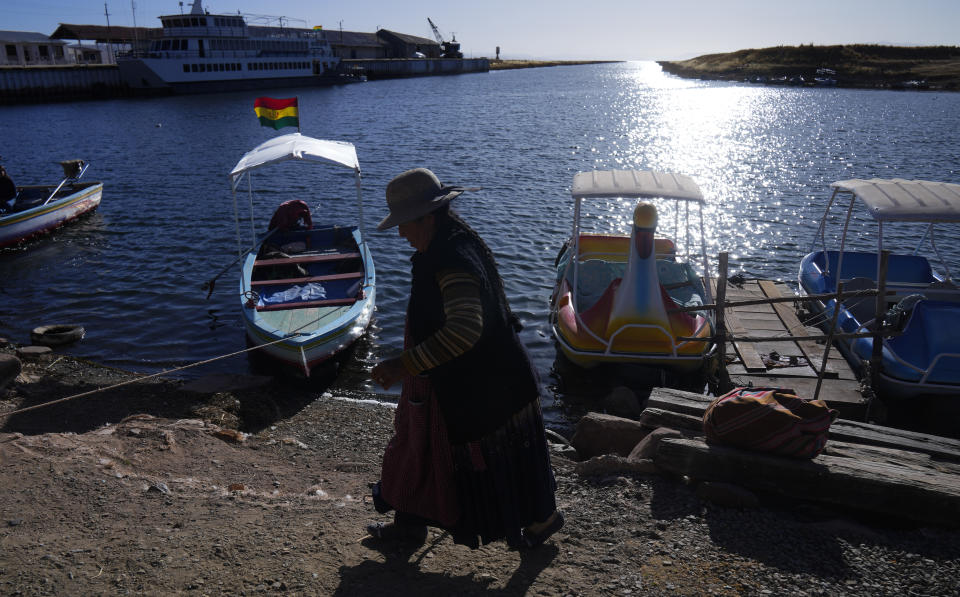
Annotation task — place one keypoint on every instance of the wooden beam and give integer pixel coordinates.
(881, 486)
(748, 352)
(306, 259)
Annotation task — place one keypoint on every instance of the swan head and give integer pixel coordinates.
(644, 226)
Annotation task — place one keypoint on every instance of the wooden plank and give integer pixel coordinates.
(306, 259)
(886, 487)
(326, 278)
(944, 448)
(306, 304)
(748, 353)
(812, 350)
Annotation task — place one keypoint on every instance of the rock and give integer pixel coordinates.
(623, 402)
(647, 447)
(160, 487)
(10, 367)
(598, 434)
(231, 435)
(727, 494)
(564, 451)
(34, 352)
(610, 464)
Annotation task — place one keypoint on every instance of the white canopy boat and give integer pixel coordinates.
(616, 294)
(306, 292)
(921, 344)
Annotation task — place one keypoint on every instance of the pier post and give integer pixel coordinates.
(876, 356)
(721, 299)
(829, 343)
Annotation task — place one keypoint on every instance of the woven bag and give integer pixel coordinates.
(772, 420)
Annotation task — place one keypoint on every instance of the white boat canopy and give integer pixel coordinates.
(899, 200)
(295, 146)
(635, 183)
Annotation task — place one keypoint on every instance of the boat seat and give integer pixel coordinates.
(306, 259)
(593, 278)
(943, 290)
(307, 304)
(326, 278)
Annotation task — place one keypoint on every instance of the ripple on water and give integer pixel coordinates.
(131, 273)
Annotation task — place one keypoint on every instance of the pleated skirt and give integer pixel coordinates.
(504, 481)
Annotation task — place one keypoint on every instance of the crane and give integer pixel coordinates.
(449, 49)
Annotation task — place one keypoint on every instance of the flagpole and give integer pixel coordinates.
(299, 117)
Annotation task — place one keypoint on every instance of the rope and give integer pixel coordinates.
(161, 373)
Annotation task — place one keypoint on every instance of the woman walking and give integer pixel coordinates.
(469, 453)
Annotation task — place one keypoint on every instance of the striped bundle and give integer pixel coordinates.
(772, 420)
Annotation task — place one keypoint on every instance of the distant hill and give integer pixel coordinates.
(858, 65)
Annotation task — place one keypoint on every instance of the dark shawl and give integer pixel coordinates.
(479, 390)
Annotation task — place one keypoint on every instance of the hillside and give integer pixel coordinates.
(864, 66)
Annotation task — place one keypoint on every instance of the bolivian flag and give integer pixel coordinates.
(277, 113)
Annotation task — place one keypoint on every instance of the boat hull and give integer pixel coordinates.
(295, 330)
(922, 357)
(583, 337)
(23, 225)
(148, 75)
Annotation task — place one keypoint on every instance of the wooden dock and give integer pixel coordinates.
(784, 360)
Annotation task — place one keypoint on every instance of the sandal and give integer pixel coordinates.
(397, 532)
(531, 540)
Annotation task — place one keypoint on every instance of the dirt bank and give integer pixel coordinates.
(148, 489)
(853, 65)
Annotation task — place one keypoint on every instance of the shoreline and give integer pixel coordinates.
(515, 64)
(253, 485)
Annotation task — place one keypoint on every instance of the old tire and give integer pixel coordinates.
(56, 335)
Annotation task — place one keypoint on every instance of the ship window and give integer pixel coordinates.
(165, 44)
(203, 21)
(193, 67)
(194, 22)
(186, 68)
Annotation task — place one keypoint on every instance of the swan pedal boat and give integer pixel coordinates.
(921, 347)
(306, 292)
(40, 209)
(616, 296)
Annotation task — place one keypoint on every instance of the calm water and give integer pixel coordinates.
(131, 274)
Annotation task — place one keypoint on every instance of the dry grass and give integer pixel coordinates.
(855, 65)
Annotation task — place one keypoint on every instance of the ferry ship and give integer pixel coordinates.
(200, 52)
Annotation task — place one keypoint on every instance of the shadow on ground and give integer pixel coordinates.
(400, 574)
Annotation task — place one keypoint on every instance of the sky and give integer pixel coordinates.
(556, 29)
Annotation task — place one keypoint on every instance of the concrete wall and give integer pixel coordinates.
(419, 67)
(59, 83)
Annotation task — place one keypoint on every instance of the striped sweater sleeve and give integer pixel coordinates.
(463, 324)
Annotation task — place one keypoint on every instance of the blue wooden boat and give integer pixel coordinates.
(921, 341)
(306, 292)
(35, 210)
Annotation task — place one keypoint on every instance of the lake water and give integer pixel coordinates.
(132, 273)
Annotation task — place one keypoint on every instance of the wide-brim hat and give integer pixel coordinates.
(415, 193)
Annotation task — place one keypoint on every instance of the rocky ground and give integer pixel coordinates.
(165, 487)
